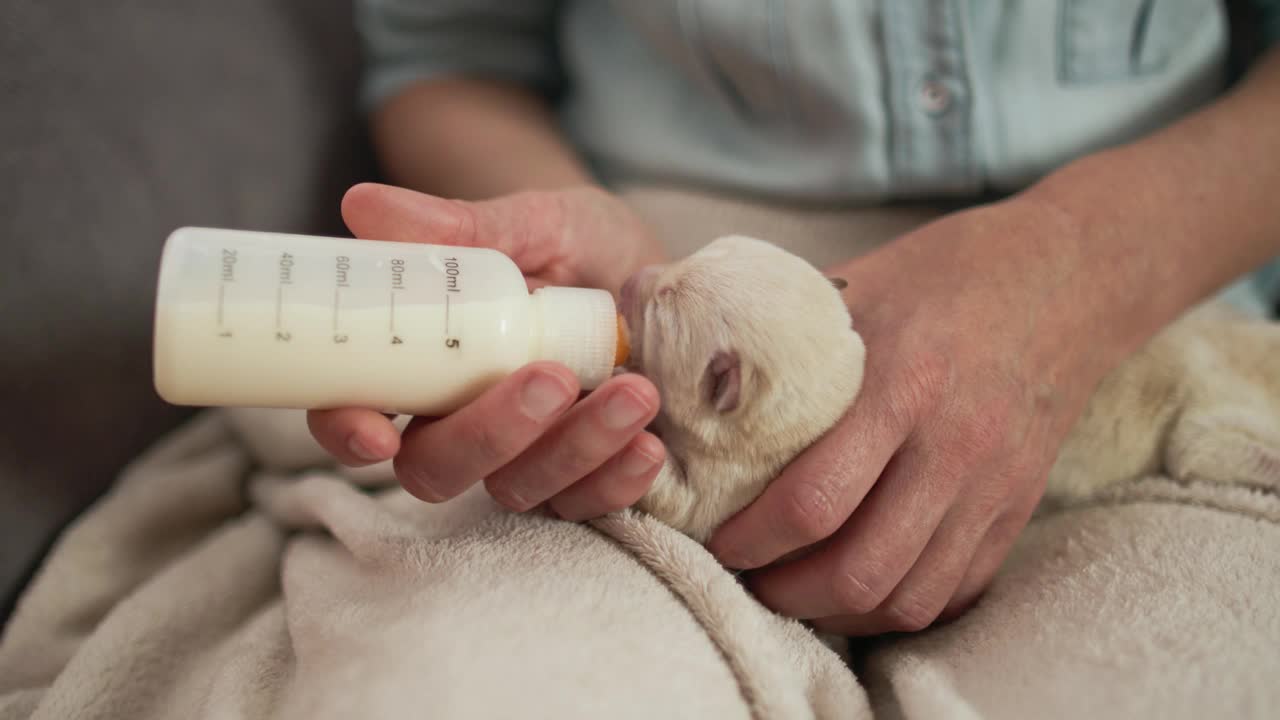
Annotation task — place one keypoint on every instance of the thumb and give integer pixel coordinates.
(520, 226)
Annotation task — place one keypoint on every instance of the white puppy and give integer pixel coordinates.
(755, 358)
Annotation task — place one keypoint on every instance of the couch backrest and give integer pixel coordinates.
(120, 121)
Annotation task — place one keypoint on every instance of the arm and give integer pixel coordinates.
(473, 138)
(1205, 192)
(457, 92)
(988, 330)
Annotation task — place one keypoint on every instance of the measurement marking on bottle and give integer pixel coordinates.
(452, 270)
(392, 324)
(397, 274)
(279, 304)
(337, 303)
(449, 340)
(342, 268)
(222, 298)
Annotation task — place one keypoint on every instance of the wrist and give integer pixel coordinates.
(1018, 273)
(1092, 307)
(1133, 274)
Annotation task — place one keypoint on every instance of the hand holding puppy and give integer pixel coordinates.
(904, 511)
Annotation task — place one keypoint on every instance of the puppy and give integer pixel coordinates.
(1199, 402)
(755, 357)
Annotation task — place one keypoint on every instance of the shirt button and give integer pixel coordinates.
(934, 97)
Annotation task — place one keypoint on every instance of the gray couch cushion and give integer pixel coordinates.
(120, 121)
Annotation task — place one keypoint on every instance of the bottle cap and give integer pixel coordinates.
(579, 328)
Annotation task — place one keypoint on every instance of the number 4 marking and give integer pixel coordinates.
(395, 340)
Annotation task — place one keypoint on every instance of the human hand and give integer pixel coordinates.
(979, 359)
(525, 437)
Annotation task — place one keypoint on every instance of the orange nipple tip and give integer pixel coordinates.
(623, 349)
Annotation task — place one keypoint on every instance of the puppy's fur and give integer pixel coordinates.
(1199, 402)
(755, 357)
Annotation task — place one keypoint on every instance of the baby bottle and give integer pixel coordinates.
(292, 321)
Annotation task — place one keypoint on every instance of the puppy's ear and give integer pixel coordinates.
(838, 283)
(724, 380)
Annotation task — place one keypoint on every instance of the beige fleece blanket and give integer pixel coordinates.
(233, 573)
(203, 588)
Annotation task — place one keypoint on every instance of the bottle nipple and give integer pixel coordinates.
(622, 351)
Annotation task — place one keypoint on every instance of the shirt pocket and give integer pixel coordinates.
(1115, 40)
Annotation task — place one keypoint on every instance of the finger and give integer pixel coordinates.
(617, 484)
(869, 556)
(988, 559)
(441, 458)
(354, 436)
(919, 599)
(818, 491)
(591, 433)
(527, 227)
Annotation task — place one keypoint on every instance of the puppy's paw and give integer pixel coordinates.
(1230, 445)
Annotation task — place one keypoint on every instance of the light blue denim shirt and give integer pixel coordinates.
(837, 100)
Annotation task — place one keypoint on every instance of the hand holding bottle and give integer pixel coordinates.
(526, 437)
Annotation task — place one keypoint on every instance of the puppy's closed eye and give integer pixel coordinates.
(838, 283)
(724, 380)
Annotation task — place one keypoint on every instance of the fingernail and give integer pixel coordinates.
(625, 408)
(543, 395)
(361, 450)
(637, 462)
